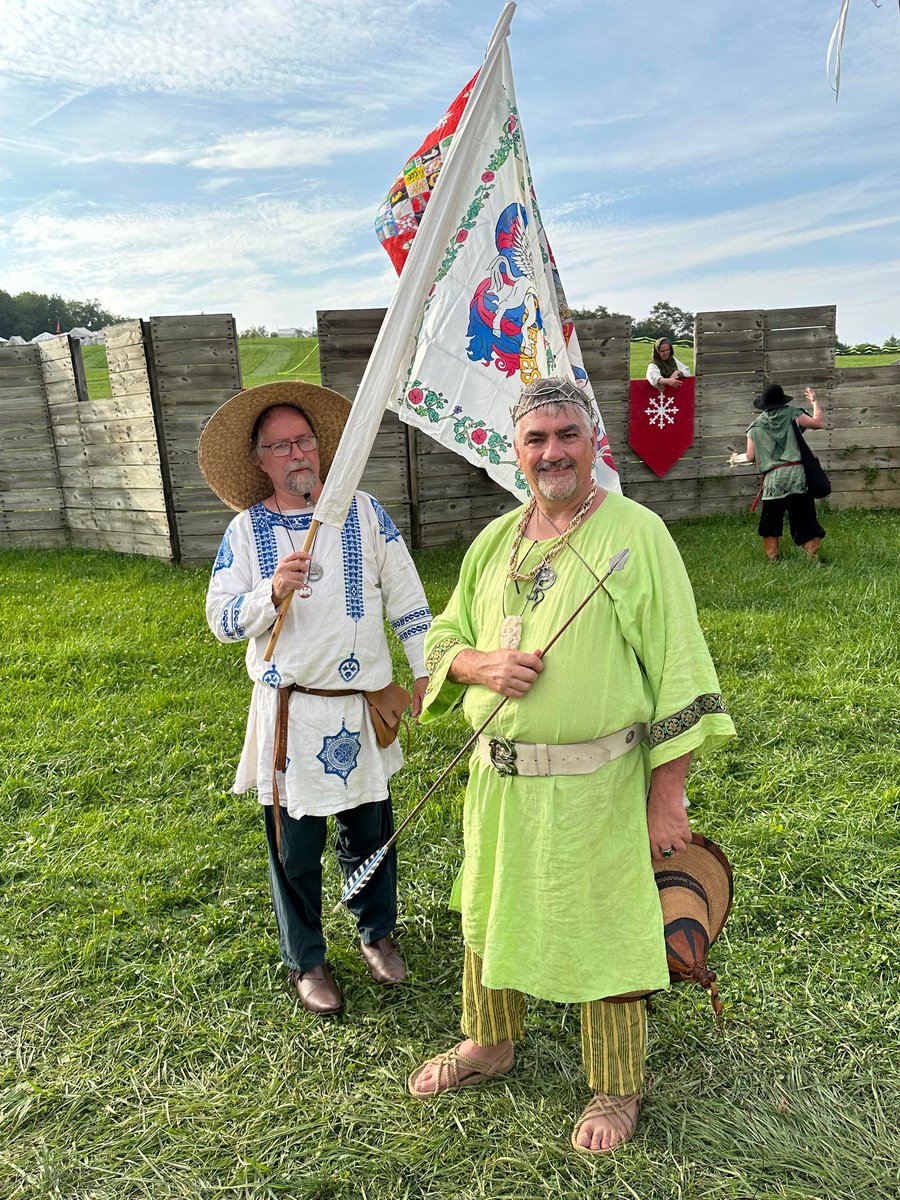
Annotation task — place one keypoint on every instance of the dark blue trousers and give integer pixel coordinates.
(296, 879)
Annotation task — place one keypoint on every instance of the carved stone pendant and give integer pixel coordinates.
(510, 633)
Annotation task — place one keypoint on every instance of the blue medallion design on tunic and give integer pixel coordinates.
(264, 524)
(389, 530)
(225, 557)
(339, 753)
(351, 541)
(273, 677)
(417, 621)
(348, 668)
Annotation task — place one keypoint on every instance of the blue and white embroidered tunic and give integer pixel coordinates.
(333, 640)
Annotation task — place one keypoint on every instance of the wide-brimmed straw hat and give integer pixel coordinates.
(773, 396)
(695, 890)
(228, 461)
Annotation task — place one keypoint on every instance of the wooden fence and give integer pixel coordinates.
(441, 496)
(118, 473)
(122, 473)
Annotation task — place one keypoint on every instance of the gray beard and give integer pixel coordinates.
(300, 482)
(557, 489)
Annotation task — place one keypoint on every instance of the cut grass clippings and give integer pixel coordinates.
(151, 1050)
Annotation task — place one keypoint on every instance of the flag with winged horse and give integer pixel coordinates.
(493, 317)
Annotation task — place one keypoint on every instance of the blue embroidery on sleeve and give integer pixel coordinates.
(413, 623)
(225, 557)
(230, 624)
(389, 530)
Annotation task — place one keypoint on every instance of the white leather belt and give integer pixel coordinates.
(574, 758)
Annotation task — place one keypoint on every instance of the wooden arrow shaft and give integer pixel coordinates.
(414, 812)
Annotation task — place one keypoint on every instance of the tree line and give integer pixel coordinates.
(30, 313)
(664, 320)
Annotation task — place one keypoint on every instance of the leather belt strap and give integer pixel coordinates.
(279, 761)
(573, 758)
(762, 484)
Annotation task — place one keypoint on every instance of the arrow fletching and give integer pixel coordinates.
(617, 562)
(361, 877)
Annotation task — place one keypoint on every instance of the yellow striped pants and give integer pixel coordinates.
(613, 1036)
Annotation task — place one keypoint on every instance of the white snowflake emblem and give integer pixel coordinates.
(662, 411)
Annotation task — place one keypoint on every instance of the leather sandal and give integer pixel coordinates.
(456, 1070)
(613, 1109)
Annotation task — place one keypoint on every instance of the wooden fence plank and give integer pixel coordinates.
(717, 322)
(794, 318)
(203, 328)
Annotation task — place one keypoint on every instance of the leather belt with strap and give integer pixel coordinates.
(574, 758)
(755, 503)
(279, 762)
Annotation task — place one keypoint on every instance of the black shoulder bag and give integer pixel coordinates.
(817, 482)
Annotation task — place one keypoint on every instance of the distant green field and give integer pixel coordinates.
(266, 360)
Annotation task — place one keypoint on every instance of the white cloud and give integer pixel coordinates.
(265, 47)
(261, 149)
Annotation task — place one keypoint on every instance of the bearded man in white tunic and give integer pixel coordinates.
(266, 452)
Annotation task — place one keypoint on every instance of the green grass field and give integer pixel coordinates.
(265, 360)
(150, 1049)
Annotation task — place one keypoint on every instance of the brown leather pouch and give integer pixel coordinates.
(386, 708)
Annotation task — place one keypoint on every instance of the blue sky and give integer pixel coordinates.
(179, 156)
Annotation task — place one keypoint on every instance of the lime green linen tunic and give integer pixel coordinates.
(556, 891)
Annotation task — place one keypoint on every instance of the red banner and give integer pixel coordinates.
(400, 214)
(661, 424)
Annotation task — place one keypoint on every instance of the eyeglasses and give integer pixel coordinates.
(283, 449)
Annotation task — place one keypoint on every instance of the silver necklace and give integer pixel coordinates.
(314, 571)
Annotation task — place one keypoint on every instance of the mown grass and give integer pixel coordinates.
(150, 1049)
(266, 360)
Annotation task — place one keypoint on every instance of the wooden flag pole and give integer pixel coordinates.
(286, 602)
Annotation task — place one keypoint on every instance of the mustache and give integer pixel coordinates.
(299, 466)
(555, 466)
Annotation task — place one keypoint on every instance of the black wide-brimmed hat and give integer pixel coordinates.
(227, 458)
(772, 397)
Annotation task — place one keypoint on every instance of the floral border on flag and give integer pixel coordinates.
(486, 441)
(509, 141)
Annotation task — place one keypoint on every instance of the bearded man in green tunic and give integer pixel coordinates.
(578, 784)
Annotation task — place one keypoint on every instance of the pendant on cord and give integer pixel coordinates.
(510, 632)
(543, 580)
(304, 592)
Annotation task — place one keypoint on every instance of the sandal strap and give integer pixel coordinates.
(456, 1070)
(613, 1108)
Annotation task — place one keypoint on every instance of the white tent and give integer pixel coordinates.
(43, 337)
(87, 337)
(15, 340)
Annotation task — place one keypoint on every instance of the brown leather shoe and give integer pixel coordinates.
(317, 991)
(384, 961)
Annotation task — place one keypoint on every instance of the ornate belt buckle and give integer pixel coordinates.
(503, 756)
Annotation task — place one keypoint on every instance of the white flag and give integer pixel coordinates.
(396, 339)
(489, 321)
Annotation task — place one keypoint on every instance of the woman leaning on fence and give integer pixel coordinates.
(772, 445)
